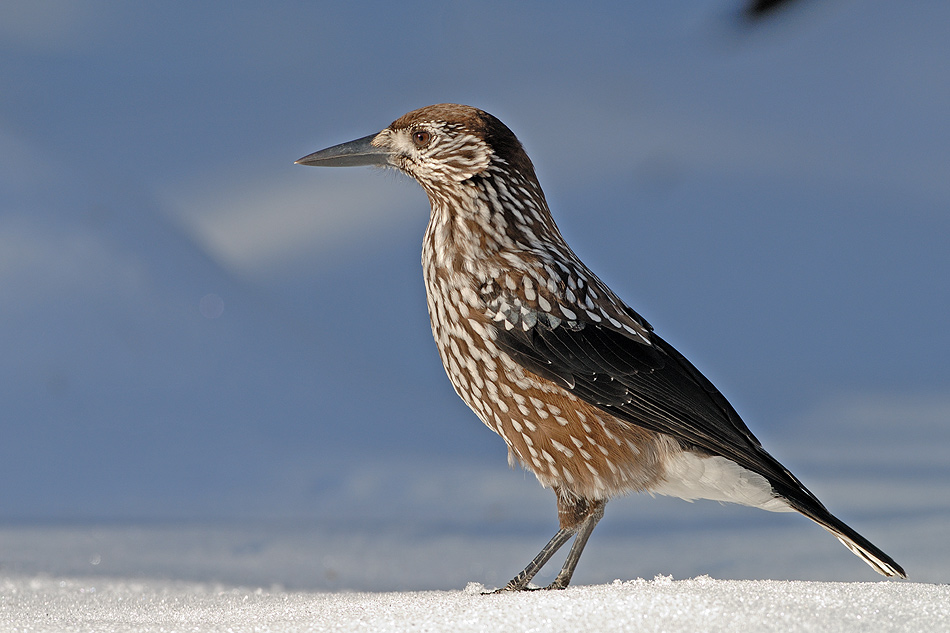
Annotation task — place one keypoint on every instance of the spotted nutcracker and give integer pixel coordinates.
(584, 393)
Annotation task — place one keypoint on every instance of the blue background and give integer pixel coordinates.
(192, 328)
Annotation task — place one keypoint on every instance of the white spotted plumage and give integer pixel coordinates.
(546, 355)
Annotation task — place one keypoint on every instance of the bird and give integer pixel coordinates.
(584, 393)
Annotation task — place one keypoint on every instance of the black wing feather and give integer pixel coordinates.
(649, 385)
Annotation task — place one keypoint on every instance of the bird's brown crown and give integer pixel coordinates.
(462, 118)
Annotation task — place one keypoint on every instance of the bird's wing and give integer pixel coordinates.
(653, 386)
(641, 380)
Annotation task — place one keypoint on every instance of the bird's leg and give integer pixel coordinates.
(520, 582)
(594, 515)
(576, 516)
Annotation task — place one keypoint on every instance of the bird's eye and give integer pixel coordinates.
(421, 138)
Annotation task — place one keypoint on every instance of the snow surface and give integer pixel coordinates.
(661, 604)
(175, 577)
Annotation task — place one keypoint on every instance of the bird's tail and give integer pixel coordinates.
(863, 548)
(798, 497)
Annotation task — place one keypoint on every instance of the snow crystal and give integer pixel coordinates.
(661, 604)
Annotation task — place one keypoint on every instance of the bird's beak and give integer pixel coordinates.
(352, 154)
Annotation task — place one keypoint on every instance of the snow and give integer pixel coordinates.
(661, 604)
(207, 577)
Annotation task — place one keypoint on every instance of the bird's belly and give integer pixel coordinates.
(564, 441)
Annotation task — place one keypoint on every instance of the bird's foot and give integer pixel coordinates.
(512, 587)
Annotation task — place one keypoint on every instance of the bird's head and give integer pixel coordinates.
(437, 145)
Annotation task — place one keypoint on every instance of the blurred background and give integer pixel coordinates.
(215, 363)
